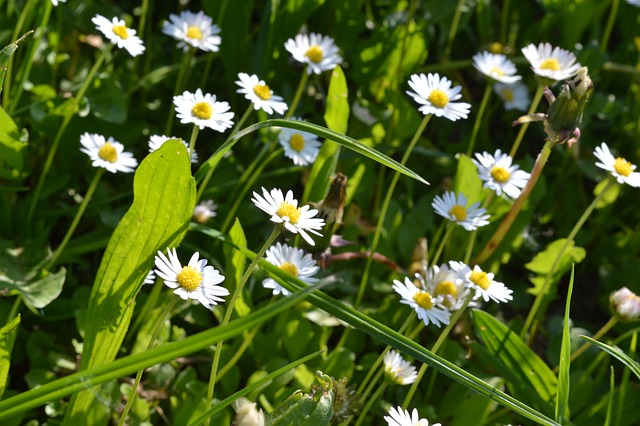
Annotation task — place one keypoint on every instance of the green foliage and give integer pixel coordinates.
(7, 338)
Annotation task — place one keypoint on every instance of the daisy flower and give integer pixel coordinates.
(444, 283)
(428, 307)
(292, 260)
(482, 282)
(398, 370)
(455, 209)
(619, 168)
(500, 175)
(496, 67)
(150, 278)
(284, 210)
(108, 154)
(203, 110)
(400, 417)
(117, 32)
(625, 304)
(551, 62)
(56, 2)
(436, 96)
(260, 95)
(317, 51)
(156, 141)
(204, 211)
(514, 96)
(301, 147)
(195, 281)
(193, 30)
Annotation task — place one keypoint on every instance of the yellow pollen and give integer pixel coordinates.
(108, 153)
(287, 209)
(622, 167)
(262, 91)
(480, 279)
(446, 288)
(189, 278)
(314, 53)
(297, 142)
(438, 98)
(194, 33)
(202, 110)
(290, 268)
(459, 212)
(120, 31)
(423, 299)
(508, 95)
(496, 71)
(500, 174)
(550, 64)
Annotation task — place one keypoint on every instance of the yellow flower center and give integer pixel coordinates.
(622, 167)
(290, 268)
(459, 212)
(189, 278)
(194, 33)
(287, 209)
(496, 47)
(423, 299)
(314, 53)
(108, 153)
(550, 64)
(120, 31)
(262, 91)
(446, 288)
(496, 71)
(508, 95)
(438, 98)
(500, 174)
(297, 142)
(202, 110)
(480, 279)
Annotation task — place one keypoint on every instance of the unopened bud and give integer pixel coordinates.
(625, 304)
(247, 414)
(565, 113)
(331, 210)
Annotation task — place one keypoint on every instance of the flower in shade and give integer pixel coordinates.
(117, 32)
(108, 154)
(625, 304)
(496, 67)
(455, 209)
(428, 307)
(444, 283)
(260, 95)
(284, 210)
(482, 282)
(619, 168)
(292, 260)
(436, 96)
(301, 147)
(551, 62)
(400, 417)
(193, 30)
(156, 141)
(398, 370)
(197, 280)
(204, 211)
(203, 110)
(634, 2)
(318, 52)
(499, 174)
(514, 96)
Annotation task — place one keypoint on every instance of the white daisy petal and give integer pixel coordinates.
(428, 307)
(203, 110)
(292, 260)
(482, 282)
(514, 96)
(444, 284)
(193, 30)
(496, 67)
(400, 417)
(455, 209)
(436, 95)
(621, 169)
(108, 154)
(301, 147)
(260, 95)
(499, 175)
(117, 32)
(318, 52)
(398, 370)
(551, 62)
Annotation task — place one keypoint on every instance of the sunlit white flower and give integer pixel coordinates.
(204, 211)
(203, 110)
(499, 174)
(514, 96)
(482, 282)
(455, 209)
(625, 304)
(193, 29)
(400, 417)
(260, 95)
(56, 2)
(117, 32)
(195, 281)
(436, 96)
(444, 283)
(108, 154)
(292, 260)
(301, 147)
(496, 66)
(619, 168)
(398, 370)
(156, 141)
(284, 210)
(428, 307)
(551, 62)
(319, 52)
(150, 278)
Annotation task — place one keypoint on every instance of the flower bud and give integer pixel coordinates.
(247, 414)
(625, 304)
(331, 210)
(565, 113)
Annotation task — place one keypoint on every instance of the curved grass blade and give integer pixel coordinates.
(562, 400)
(616, 352)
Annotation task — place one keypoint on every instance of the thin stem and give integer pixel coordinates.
(504, 22)
(443, 242)
(143, 18)
(298, 94)
(604, 330)
(211, 56)
(607, 32)
(453, 30)
(523, 128)
(472, 240)
(192, 141)
(184, 66)
(476, 124)
(376, 396)
(238, 353)
(14, 308)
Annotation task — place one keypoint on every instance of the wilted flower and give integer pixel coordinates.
(496, 67)
(108, 154)
(319, 52)
(514, 96)
(625, 304)
(455, 209)
(203, 110)
(500, 175)
(436, 95)
(398, 370)
(619, 168)
(117, 32)
(193, 29)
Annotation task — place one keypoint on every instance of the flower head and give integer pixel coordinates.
(514, 96)
(193, 30)
(551, 62)
(195, 281)
(318, 52)
(625, 304)
(436, 96)
(284, 210)
(398, 370)
(203, 110)
(204, 211)
(247, 413)
(496, 67)
(301, 147)
(455, 209)
(150, 278)
(428, 307)
(156, 141)
(108, 154)
(292, 260)
(400, 417)
(619, 168)
(445, 284)
(500, 175)
(117, 32)
(482, 282)
(260, 95)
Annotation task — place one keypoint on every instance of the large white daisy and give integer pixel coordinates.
(514, 96)
(156, 141)
(260, 95)
(445, 284)
(193, 29)
(400, 417)
(482, 282)
(398, 370)
(455, 209)
(108, 154)
(301, 147)
(292, 260)
(117, 32)
(436, 96)
(619, 168)
(499, 174)
(428, 307)
(203, 110)
(319, 52)
(551, 62)
(496, 67)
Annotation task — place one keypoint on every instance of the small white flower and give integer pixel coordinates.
(398, 370)
(117, 32)
(285, 211)
(514, 96)
(482, 282)
(400, 417)
(435, 94)
(500, 175)
(156, 141)
(634, 2)
(204, 211)
(428, 307)
(551, 62)
(301, 147)
(445, 284)
(193, 29)
(496, 67)
(203, 110)
(260, 95)
(150, 278)
(619, 168)
(292, 260)
(195, 281)
(247, 413)
(625, 304)
(56, 2)
(108, 154)
(319, 52)
(455, 209)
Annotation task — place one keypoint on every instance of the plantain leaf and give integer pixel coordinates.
(7, 337)
(12, 149)
(235, 262)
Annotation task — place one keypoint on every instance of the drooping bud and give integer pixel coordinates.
(625, 304)
(565, 113)
(331, 210)
(346, 402)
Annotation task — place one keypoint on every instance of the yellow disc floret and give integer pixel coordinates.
(550, 64)
(108, 153)
(438, 98)
(459, 212)
(202, 110)
(423, 299)
(290, 268)
(297, 142)
(500, 174)
(496, 71)
(120, 31)
(623, 167)
(287, 209)
(262, 91)
(189, 278)
(314, 53)
(446, 288)
(480, 279)
(508, 95)
(194, 33)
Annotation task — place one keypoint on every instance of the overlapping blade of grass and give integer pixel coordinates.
(618, 353)
(562, 400)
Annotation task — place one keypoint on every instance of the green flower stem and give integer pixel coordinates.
(476, 124)
(443, 242)
(192, 141)
(298, 94)
(83, 206)
(376, 396)
(154, 335)
(143, 18)
(504, 22)
(246, 341)
(474, 234)
(14, 308)
(65, 122)
(523, 128)
(453, 30)
(211, 56)
(227, 315)
(604, 330)
(529, 327)
(180, 81)
(607, 32)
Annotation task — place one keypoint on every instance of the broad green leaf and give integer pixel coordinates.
(336, 114)
(7, 336)
(552, 263)
(618, 353)
(235, 265)
(12, 150)
(467, 181)
(562, 401)
(38, 294)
